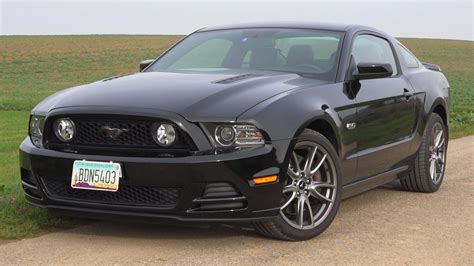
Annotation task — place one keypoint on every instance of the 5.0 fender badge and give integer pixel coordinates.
(351, 125)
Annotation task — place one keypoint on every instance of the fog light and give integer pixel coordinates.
(165, 135)
(64, 129)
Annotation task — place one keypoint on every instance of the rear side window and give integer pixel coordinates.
(372, 49)
(408, 57)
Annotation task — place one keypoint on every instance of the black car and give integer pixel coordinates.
(272, 124)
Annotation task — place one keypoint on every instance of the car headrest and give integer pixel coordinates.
(300, 54)
(263, 57)
(332, 58)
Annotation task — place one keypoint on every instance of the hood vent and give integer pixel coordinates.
(116, 77)
(236, 78)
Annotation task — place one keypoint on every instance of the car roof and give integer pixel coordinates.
(296, 25)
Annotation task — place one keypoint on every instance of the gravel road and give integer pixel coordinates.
(385, 225)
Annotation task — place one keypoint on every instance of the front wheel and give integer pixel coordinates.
(312, 193)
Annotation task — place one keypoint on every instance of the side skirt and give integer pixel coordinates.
(372, 182)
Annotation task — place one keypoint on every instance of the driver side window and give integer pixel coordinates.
(372, 49)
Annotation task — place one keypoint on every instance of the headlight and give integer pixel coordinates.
(248, 135)
(64, 129)
(165, 135)
(227, 135)
(36, 130)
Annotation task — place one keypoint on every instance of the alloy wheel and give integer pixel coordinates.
(437, 153)
(310, 191)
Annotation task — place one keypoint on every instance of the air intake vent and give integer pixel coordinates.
(159, 197)
(219, 197)
(220, 190)
(29, 184)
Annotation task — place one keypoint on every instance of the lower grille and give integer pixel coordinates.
(126, 195)
(219, 197)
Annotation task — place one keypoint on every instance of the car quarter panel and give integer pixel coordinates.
(432, 90)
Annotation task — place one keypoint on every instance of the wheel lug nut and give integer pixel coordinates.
(306, 191)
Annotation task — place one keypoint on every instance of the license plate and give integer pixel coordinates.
(96, 175)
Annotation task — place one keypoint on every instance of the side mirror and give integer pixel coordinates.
(372, 71)
(145, 63)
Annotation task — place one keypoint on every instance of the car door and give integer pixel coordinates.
(386, 113)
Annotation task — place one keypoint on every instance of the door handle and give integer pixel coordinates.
(407, 93)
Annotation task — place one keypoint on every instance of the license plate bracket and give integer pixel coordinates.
(93, 175)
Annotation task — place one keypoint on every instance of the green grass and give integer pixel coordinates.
(17, 219)
(456, 59)
(32, 68)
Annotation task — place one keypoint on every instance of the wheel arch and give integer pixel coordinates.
(441, 111)
(324, 125)
(440, 108)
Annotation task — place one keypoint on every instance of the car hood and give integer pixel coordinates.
(195, 96)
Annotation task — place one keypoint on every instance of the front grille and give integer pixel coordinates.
(138, 133)
(126, 195)
(136, 137)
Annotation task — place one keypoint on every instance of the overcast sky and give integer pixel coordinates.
(423, 19)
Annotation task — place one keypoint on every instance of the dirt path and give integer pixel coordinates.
(382, 226)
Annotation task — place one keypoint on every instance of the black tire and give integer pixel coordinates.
(419, 178)
(278, 228)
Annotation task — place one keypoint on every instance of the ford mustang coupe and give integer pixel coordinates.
(270, 124)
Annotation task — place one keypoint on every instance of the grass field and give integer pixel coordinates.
(32, 68)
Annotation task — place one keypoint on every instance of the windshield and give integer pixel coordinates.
(311, 53)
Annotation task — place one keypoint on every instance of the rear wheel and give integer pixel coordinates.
(312, 192)
(429, 165)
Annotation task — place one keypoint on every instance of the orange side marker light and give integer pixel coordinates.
(265, 179)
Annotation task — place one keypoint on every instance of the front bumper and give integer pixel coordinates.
(190, 176)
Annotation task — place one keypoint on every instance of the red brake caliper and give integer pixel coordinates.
(317, 176)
